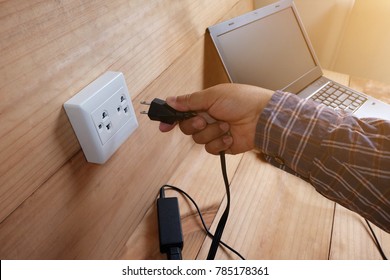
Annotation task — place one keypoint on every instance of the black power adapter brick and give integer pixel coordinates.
(169, 226)
(170, 232)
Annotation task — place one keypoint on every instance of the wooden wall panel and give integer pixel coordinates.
(53, 204)
(50, 50)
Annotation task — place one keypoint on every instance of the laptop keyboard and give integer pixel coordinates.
(338, 97)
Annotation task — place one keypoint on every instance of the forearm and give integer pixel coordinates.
(344, 158)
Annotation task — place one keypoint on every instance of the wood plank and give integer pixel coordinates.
(51, 50)
(87, 211)
(274, 215)
(352, 239)
(111, 198)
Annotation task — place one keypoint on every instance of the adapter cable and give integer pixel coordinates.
(170, 232)
(159, 110)
(200, 217)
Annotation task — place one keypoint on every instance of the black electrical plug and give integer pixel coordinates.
(159, 110)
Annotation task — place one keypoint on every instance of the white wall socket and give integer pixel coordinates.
(102, 116)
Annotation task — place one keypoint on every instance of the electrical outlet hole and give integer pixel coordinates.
(109, 126)
(126, 109)
(122, 98)
(104, 115)
(100, 126)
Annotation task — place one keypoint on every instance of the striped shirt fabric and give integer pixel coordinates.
(345, 158)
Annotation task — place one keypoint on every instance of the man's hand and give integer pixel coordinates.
(236, 109)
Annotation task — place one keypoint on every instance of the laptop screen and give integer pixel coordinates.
(270, 51)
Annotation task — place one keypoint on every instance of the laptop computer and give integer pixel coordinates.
(270, 48)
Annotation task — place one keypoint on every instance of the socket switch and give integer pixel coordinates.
(102, 116)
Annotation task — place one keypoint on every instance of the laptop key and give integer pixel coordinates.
(347, 102)
(330, 90)
(343, 97)
(337, 93)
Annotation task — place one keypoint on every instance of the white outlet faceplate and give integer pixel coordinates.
(102, 116)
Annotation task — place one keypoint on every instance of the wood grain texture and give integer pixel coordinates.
(52, 49)
(200, 176)
(54, 205)
(274, 215)
(352, 239)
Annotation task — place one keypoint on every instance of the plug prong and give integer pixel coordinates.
(145, 103)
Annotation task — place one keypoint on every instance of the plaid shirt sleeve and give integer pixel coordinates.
(346, 159)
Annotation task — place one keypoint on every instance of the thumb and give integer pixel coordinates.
(190, 102)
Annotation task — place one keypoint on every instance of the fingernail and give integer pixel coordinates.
(198, 123)
(164, 127)
(171, 100)
(224, 127)
(228, 140)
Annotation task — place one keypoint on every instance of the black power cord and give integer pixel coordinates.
(159, 110)
(169, 220)
(376, 241)
(224, 217)
(171, 240)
